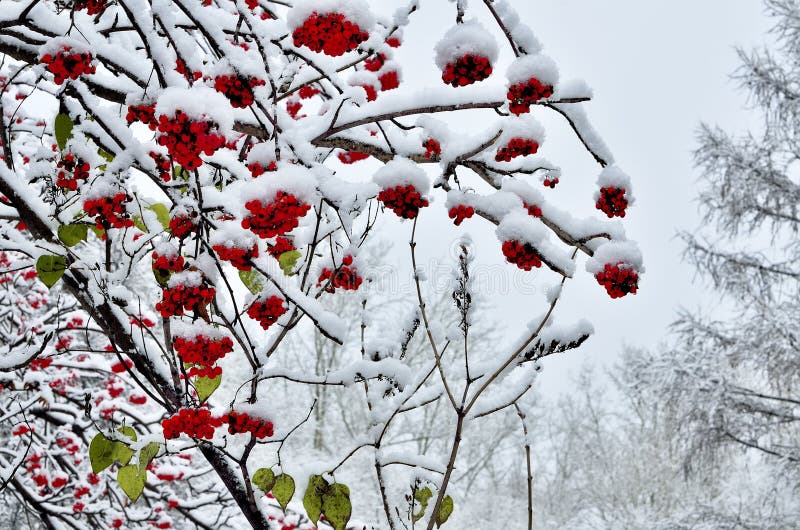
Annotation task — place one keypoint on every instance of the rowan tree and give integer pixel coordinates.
(183, 176)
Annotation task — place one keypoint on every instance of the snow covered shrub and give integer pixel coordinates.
(191, 187)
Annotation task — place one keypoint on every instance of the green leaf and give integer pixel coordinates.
(206, 386)
(147, 454)
(122, 453)
(264, 479)
(103, 452)
(63, 128)
(312, 499)
(138, 222)
(105, 154)
(127, 431)
(162, 276)
(162, 213)
(253, 280)
(283, 490)
(178, 173)
(445, 509)
(422, 496)
(73, 234)
(131, 481)
(97, 231)
(288, 260)
(50, 269)
(336, 506)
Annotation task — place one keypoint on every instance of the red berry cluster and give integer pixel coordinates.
(65, 64)
(307, 92)
(405, 201)
(372, 93)
(92, 7)
(461, 212)
(432, 148)
(182, 298)
(467, 70)
(293, 107)
(331, 34)
(167, 264)
(533, 210)
(345, 277)
(71, 170)
(375, 63)
(257, 169)
(183, 225)
(186, 139)
(389, 80)
(109, 212)
(239, 423)
(522, 95)
(180, 67)
(162, 165)
(516, 147)
(145, 113)
(619, 279)
(275, 218)
(523, 255)
(239, 257)
(237, 89)
(281, 246)
(267, 311)
(202, 350)
(195, 423)
(351, 157)
(210, 372)
(550, 182)
(612, 201)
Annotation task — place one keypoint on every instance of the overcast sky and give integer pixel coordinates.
(657, 69)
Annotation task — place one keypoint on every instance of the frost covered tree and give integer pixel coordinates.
(731, 382)
(188, 187)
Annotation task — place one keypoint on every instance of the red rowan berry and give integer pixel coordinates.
(522, 95)
(432, 148)
(460, 212)
(516, 147)
(330, 33)
(351, 157)
(275, 218)
(612, 201)
(68, 64)
(109, 212)
(523, 255)
(404, 201)
(619, 279)
(467, 70)
(267, 311)
(71, 170)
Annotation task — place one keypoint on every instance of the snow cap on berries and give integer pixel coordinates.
(57, 44)
(187, 330)
(402, 172)
(519, 226)
(230, 234)
(199, 103)
(614, 177)
(468, 38)
(538, 66)
(186, 279)
(613, 252)
(356, 11)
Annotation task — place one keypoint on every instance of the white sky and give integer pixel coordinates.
(657, 68)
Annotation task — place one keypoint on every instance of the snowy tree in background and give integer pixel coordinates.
(188, 188)
(730, 383)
